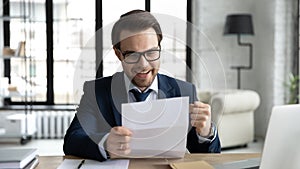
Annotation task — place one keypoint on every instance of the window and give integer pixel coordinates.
(58, 62)
(72, 50)
(27, 70)
(72, 31)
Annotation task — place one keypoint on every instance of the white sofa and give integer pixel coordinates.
(233, 113)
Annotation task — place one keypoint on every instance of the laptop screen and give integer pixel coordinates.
(281, 147)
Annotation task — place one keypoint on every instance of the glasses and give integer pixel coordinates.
(131, 57)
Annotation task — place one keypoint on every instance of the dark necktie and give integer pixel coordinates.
(140, 96)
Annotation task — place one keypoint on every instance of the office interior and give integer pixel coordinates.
(50, 47)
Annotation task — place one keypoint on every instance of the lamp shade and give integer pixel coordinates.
(239, 24)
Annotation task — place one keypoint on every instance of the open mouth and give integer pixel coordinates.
(143, 74)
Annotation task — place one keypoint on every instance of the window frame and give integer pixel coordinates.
(98, 48)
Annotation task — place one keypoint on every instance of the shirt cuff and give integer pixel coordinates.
(101, 146)
(203, 139)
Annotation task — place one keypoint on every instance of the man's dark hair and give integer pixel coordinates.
(134, 21)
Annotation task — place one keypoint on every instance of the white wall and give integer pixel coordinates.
(272, 25)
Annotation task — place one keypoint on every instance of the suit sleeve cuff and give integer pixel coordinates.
(101, 146)
(210, 138)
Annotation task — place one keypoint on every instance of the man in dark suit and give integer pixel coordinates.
(96, 131)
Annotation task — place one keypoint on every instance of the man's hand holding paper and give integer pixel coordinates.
(200, 115)
(117, 143)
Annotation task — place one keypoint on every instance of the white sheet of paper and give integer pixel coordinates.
(159, 127)
(92, 164)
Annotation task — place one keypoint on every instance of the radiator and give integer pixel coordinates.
(52, 124)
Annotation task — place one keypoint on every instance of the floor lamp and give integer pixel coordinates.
(240, 24)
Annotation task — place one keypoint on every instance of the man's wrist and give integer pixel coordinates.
(210, 137)
(210, 132)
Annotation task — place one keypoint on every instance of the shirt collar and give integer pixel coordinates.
(129, 85)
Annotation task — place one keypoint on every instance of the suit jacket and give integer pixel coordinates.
(100, 107)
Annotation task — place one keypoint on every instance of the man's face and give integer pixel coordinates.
(143, 72)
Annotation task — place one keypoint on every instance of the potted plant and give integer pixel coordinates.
(293, 87)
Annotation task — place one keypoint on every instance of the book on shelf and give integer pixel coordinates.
(20, 51)
(18, 157)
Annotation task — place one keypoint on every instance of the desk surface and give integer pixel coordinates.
(52, 162)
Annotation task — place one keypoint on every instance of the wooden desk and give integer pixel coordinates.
(52, 162)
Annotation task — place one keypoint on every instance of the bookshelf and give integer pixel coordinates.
(15, 82)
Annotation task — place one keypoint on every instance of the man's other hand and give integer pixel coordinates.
(200, 115)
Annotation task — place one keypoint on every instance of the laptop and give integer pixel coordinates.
(282, 143)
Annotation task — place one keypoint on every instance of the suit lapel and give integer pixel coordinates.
(166, 88)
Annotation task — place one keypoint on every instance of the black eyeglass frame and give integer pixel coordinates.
(140, 54)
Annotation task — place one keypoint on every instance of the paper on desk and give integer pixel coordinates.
(92, 164)
(159, 127)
